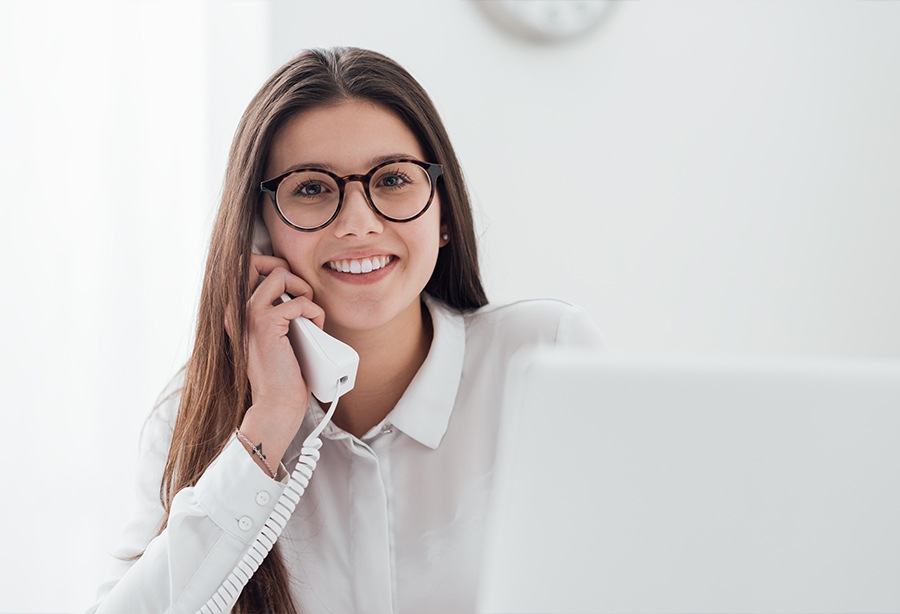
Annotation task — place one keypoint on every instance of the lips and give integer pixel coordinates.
(327, 264)
(359, 255)
(362, 278)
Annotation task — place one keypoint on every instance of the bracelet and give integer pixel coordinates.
(257, 449)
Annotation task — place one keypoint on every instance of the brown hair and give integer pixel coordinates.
(216, 391)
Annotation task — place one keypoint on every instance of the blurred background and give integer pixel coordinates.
(705, 176)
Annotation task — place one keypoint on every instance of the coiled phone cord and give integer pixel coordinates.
(231, 587)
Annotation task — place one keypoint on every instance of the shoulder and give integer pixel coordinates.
(531, 317)
(160, 423)
(549, 321)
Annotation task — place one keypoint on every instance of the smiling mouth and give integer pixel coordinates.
(356, 268)
(371, 276)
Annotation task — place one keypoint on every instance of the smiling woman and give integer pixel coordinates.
(342, 166)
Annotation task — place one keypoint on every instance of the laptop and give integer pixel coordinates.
(672, 484)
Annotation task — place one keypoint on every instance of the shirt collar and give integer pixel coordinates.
(423, 412)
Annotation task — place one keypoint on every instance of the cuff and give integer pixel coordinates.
(236, 492)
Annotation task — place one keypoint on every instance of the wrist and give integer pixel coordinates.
(273, 433)
(275, 470)
(276, 427)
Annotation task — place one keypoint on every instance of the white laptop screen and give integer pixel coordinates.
(654, 484)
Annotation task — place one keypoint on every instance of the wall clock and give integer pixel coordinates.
(546, 20)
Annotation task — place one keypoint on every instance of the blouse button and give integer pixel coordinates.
(245, 523)
(387, 428)
(262, 497)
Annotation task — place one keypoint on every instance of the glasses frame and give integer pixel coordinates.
(270, 187)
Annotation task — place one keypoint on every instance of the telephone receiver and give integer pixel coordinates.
(324, 360)
(329, 368)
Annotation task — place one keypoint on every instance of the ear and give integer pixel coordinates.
(262, 242)
(441, 241)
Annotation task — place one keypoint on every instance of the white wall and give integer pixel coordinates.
(106, 158)
(721, 176)
(703, 175)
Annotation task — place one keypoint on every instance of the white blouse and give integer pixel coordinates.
(391, 523)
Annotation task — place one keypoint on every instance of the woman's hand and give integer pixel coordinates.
(279, 392)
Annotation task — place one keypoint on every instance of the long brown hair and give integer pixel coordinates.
(216, 391)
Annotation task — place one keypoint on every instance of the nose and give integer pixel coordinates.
(356, 216)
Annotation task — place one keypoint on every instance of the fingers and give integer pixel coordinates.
(301, 307)
(267, 266)
(268, 278)
(257, 264)
(269, 291)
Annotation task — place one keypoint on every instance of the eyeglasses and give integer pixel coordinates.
(309, 198)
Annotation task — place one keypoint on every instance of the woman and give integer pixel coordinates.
(392, 518)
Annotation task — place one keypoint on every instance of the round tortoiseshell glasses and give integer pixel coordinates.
(309, 198)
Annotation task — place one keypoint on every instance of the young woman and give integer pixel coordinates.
(342, 168)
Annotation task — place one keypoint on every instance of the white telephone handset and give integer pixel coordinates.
(323, 359)
(329, 369)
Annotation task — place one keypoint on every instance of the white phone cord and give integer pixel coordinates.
(232, 586)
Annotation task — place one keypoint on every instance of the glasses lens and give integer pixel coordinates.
(400, 190)
(307, 198)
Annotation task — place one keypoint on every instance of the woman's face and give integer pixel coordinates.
(346, 138)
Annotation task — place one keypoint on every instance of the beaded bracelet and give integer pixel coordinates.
(257, 449)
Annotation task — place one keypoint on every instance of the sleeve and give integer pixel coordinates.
(577, 329)
(210, 527)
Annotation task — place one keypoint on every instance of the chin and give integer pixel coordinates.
(360, 314)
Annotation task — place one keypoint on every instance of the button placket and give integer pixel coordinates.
(370, 547)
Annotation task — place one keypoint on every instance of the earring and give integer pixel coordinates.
(445, 236)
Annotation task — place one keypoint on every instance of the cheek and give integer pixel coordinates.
(299, 251)
(423, 253)
(298, 248)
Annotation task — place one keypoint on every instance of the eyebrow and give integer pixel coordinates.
(372, 162)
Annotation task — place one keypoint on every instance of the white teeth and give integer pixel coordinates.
(366, 265)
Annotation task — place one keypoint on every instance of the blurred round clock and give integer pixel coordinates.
(546, 20)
